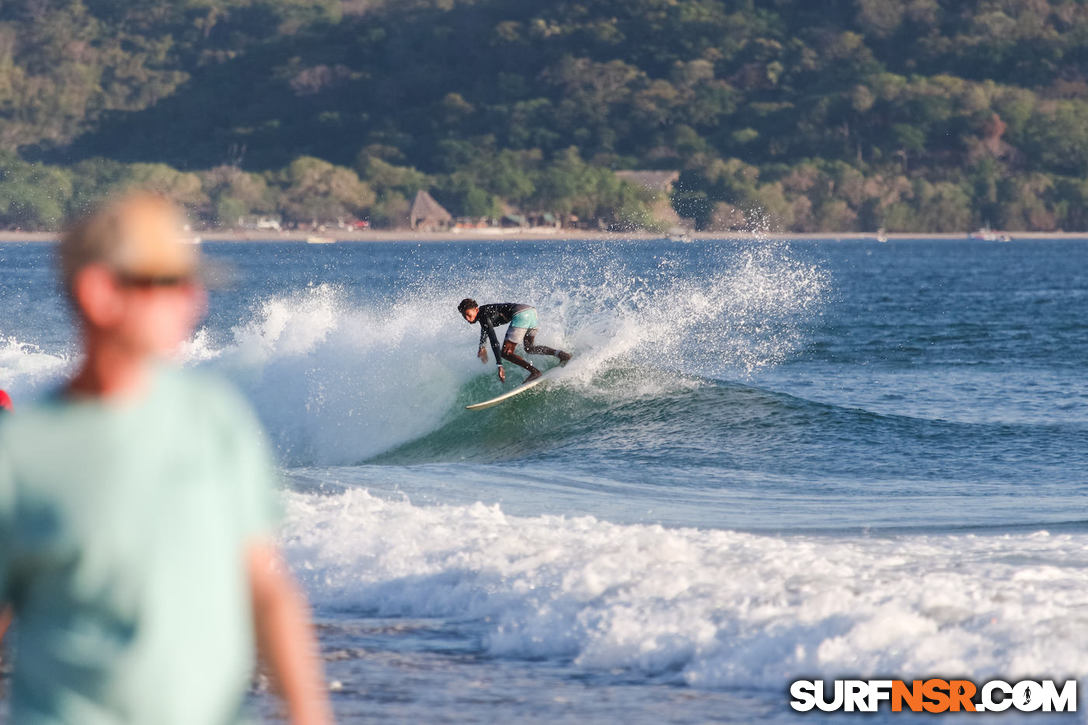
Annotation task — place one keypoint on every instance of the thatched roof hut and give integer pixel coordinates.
(427, 214)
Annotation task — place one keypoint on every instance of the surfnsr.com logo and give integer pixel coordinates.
(934, 696)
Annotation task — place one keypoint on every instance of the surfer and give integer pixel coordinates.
(523, 323)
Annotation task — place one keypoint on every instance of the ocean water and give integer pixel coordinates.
(767, 461)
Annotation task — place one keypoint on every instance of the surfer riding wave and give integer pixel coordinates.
(522, 330)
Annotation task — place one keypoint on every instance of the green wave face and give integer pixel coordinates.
(622, 414)
(655, 427)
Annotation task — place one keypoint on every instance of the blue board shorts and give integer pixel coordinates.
(520, 324)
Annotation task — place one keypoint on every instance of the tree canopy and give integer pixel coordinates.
(837, 115)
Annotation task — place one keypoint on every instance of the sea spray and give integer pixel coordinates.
(337, 384)
(340, 375)
(737, 308)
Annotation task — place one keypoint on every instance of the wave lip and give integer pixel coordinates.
(708, 608)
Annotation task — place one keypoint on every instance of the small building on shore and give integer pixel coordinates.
(427, 215)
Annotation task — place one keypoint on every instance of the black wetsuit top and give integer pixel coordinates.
(496, 315)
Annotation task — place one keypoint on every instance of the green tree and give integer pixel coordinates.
(183, 188)
(32, 196)
(315, 190)
(235, 194)
(462, 197)
(942, 206)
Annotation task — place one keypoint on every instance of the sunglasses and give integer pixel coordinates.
(154, 282)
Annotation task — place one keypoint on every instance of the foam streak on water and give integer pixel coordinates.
(711, 609)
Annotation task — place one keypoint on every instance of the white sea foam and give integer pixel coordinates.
(26, 370)
(715, 609)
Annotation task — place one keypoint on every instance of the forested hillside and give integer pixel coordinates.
(829, 115)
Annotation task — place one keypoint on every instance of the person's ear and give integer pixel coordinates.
(97, 296)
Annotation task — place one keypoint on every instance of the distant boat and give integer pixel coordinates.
(319, 240)
(881, 236)
(1004, 238)
(985, 234)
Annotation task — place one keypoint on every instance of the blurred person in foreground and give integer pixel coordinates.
(5, 611)
(137, 508)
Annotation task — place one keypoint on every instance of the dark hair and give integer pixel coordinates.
(466, 304)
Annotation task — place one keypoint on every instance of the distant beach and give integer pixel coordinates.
(562, 235)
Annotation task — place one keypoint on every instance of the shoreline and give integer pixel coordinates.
(573, 235)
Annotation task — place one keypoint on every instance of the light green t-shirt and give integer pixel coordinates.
(122, 532)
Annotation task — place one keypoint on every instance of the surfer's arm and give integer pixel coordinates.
(482, 352)
(490, 331)
(285, 638)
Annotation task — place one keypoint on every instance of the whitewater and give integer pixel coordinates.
(766, 462)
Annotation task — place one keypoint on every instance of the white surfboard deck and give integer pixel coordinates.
(508, 394)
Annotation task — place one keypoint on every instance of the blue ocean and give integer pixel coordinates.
(767, 461)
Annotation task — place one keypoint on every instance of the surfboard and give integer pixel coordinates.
(508, 394)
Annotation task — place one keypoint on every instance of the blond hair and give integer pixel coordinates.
(139, 234)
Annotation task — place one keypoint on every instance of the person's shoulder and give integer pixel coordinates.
(195, 381)
(37, 414)
(36, 429)
(217, 408)
(206, 391)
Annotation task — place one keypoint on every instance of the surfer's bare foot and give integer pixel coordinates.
(564, 357)
(533, 375)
